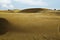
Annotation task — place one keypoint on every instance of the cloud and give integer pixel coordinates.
(5, 1)
(6, 4)
(33, 2)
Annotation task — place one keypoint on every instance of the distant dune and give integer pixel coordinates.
(34, 10)
(31, 10)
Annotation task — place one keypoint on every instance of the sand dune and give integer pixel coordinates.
(32, 26)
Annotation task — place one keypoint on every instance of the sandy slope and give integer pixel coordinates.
(32, 26)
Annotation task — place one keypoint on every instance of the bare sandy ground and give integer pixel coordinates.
(32, 26)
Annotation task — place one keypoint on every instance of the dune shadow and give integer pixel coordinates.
(3, 26)
(6, 26)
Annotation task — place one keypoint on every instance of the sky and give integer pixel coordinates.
(23, 4)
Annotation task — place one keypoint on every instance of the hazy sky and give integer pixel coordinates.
(21, 4)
